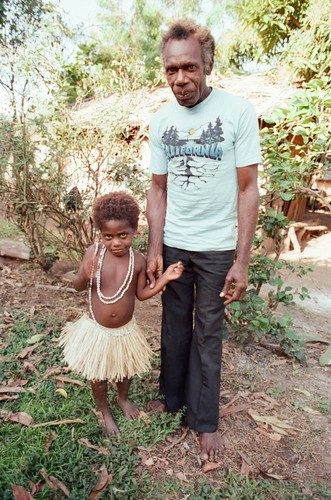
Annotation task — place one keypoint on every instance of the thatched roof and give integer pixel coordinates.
(140, 105)
(263, 92)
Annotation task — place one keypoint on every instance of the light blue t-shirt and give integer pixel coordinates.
(200, 148)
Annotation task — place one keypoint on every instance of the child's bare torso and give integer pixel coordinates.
(113, 273)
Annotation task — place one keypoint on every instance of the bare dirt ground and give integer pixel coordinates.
(257, 385)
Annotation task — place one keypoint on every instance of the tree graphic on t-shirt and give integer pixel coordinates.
(191, 171)
(218, 131)
(171, 137)
(213, 133)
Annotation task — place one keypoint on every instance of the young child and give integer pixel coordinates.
(105, 344)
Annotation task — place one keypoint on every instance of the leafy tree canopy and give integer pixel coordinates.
(274, 21)
(280, 30)
(15, 17)
(308, 52)
(127, 44)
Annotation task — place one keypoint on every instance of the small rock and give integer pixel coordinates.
(15, 249)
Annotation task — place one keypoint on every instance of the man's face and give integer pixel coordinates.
(185, 72)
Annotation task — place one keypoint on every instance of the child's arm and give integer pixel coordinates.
(83, 274)
(143, 290)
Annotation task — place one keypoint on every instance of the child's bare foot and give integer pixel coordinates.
(210, 446)
(111, 428)
(130, 410)
(156, 406)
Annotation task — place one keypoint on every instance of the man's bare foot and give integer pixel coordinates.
(210, 446)
(130, 410)
(111, 428)
(156, 406)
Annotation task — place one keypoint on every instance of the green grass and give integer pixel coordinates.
(233, 487)
(9, 230)
(22, 448)
(324, 405)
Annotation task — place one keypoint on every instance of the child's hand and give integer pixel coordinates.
(174, 271)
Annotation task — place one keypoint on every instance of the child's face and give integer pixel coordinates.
(117, 236)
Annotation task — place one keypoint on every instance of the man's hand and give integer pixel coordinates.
(154, 269)
(237, 276)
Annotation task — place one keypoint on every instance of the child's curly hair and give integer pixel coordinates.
(118, 205)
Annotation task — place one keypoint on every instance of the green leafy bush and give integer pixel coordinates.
(255, 316)
(295, 141)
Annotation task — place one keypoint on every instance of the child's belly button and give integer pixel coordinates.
(113, 315)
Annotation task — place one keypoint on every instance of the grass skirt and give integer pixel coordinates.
(100, 353)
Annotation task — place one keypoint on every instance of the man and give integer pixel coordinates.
(204, 156)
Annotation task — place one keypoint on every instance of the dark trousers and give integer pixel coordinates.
(191, 336)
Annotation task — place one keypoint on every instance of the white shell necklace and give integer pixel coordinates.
(122, 289)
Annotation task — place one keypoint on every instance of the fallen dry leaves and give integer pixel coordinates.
(20, 417)
(245, 468)
(101, 449)
(20, 493)
(27, 351)
(52, 370)
(54, 483)
(102, 484)
(279, 426)
(12, 389)
(279, 362)
(26, 419)
(145, 418)
(154, 461)
(6, 359)
(270, 474)
(51, 436)
(62, 380)
(274, 436)
(209, 466)
(5, 397)
(18, 382)
(177, 441)
(231, 410)
(248, 465)
(263, 395)
(29, 367)
(311, 411)
(35, 487)
(182, 477)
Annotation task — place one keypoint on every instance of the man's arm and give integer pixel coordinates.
(156, 210)
(248, 207)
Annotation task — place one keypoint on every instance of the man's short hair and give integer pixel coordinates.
(183, 29)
